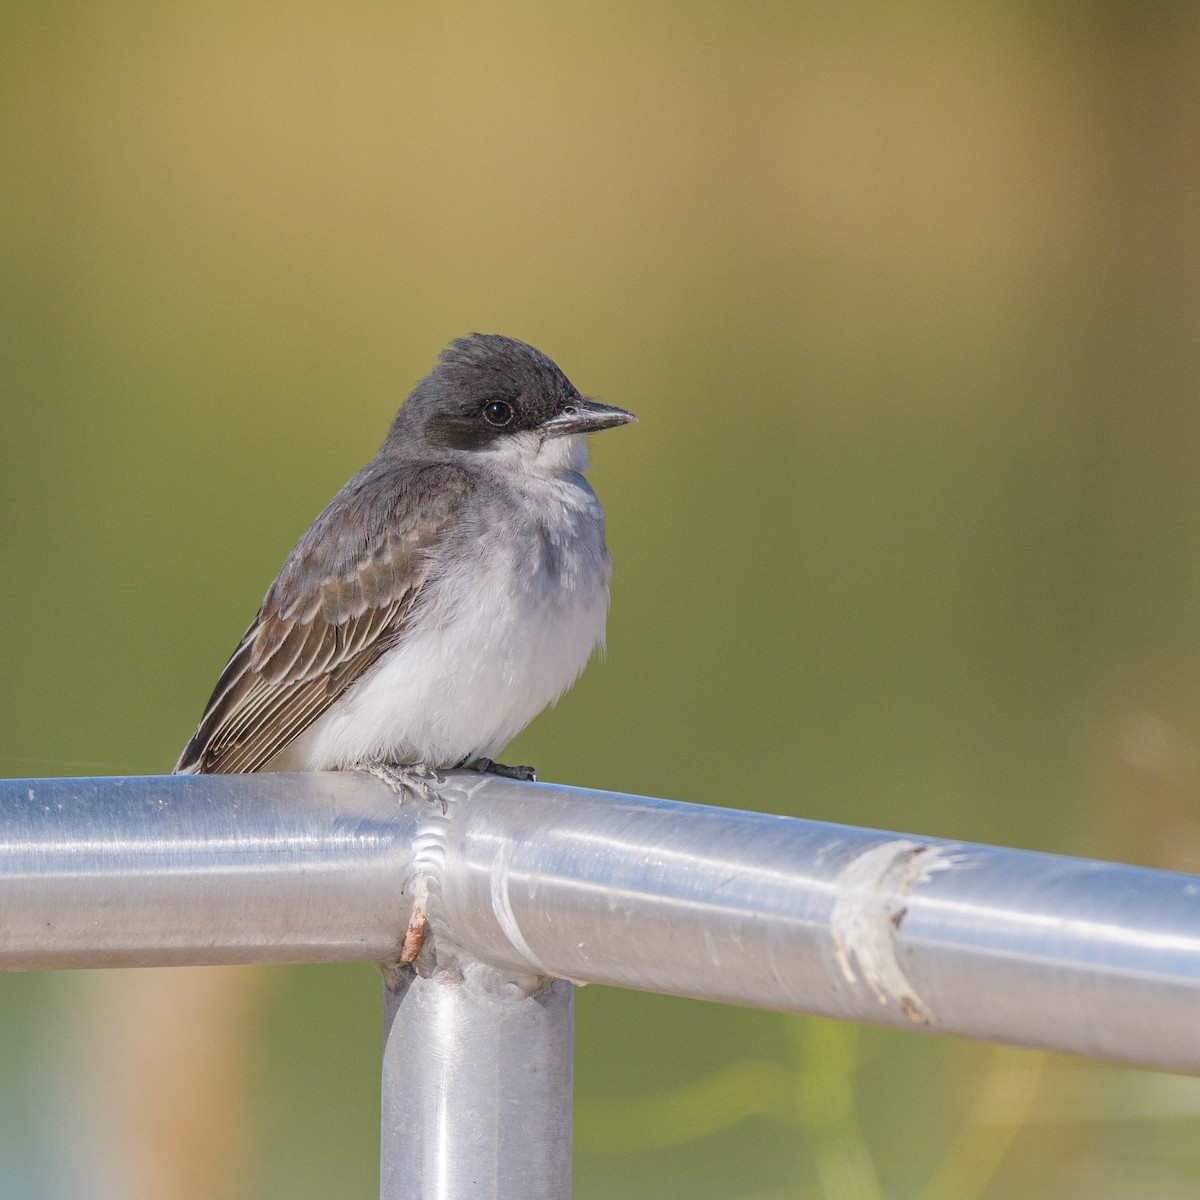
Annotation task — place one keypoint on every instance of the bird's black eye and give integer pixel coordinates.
(498, 413)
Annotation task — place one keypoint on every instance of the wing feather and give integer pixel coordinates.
(345, 596)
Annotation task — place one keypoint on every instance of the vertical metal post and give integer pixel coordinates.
(476, 1085)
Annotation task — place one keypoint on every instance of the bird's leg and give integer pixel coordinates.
(407, 779)
(485, 766)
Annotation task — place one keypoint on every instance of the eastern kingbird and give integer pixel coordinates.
(455, 587)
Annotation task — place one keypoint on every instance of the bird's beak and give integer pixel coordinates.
(584, 416)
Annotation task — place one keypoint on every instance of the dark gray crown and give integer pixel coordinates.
(447, 407)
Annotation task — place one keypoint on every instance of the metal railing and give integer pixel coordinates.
(528, 886)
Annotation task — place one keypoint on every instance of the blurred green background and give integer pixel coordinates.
(906, 298)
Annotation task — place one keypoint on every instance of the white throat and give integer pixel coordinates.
(544, 458)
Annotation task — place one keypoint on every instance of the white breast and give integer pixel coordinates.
(508, 626)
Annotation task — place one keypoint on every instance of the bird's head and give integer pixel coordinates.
(504, 399)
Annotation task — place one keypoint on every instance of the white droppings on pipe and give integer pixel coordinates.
(872, 899)
(504, 913)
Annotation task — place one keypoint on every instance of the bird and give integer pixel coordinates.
(455, 587)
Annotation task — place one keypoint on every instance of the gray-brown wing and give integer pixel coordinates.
(343, 598)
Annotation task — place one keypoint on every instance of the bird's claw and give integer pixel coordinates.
(417, 780)
(486, 766)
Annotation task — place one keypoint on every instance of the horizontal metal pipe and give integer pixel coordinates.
(1006, 945)
(168, 870)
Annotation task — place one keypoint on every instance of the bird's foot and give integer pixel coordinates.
(408, 779)
(485, 766)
